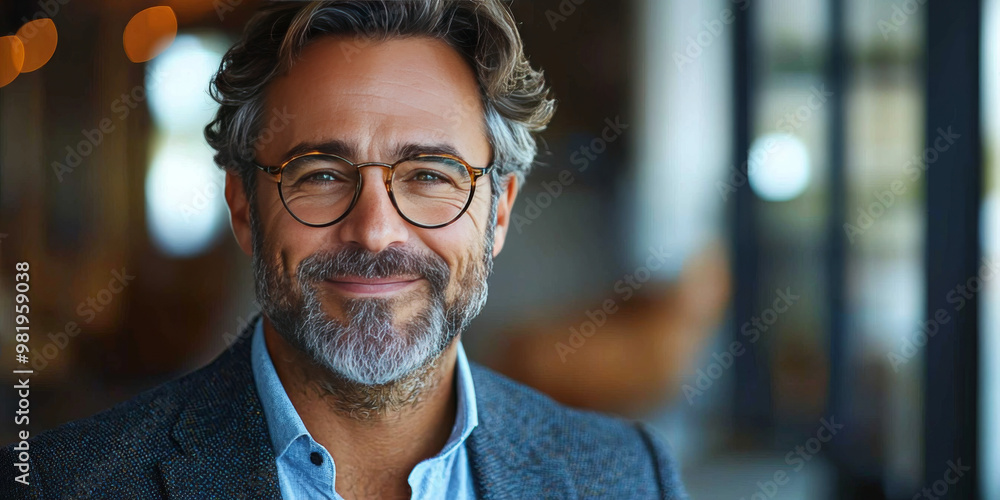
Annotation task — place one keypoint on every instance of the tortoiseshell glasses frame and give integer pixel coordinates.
(474, 173)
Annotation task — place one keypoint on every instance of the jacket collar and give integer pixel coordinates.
(225, 450)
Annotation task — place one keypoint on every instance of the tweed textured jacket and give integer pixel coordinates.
(204, 436)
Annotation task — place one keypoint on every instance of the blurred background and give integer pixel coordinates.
(770, 228)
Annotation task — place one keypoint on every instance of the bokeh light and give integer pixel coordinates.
(177, 84)
(185, 207)
(778, 167)
(39, 38)
(11, 59)
(149, 33)
(184, 193)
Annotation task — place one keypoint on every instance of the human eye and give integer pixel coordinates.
(432, 171)
(319, 171)
(430, 176)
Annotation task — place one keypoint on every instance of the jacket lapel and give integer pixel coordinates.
(505, 462)
(225, 451)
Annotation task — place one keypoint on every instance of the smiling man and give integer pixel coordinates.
(372, 219)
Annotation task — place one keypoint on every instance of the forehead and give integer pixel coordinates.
(375, 96)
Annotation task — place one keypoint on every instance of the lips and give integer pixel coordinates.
(360, 285)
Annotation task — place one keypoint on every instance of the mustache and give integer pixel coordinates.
(359, 262)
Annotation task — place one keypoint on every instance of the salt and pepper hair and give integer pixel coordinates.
(513, 95)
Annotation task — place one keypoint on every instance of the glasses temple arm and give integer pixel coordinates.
(269, 170)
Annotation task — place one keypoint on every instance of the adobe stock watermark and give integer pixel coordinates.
(789, 123)
(121, 107)
(353, 46)
(596, 318)
(46, 8)
(914, 168)
(710, 32)
(242, 323)
(957, 297)
(581, 158)
(796, 460)
(87, 310)
(750, 331)
(562, 12)
(203, 198)
(465, 110)
(93, 138)
(224, 7)
(901, 14)
(953, 473)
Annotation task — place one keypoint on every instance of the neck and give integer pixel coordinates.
(370, 429)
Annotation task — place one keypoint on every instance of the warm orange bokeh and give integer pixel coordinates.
(39, 38)
(11, 59)
(149, 32)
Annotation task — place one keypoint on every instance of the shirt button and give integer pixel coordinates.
(316, 458)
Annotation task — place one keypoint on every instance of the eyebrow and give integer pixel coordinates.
(333, 147)
(341, 148)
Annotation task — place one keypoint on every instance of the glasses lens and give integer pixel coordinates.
(318, 189)
(431, 190)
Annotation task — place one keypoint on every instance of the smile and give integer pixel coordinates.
(368, 286)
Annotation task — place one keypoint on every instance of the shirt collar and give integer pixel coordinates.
(284, 422)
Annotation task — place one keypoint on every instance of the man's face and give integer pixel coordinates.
(372, 298)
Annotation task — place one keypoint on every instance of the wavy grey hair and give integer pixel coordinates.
(514, 95)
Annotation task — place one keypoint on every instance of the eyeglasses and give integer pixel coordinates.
(427, 190)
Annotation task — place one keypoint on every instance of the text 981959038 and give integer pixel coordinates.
(22, 333)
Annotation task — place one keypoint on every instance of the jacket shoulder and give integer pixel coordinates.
(117, 447)
(601, 452)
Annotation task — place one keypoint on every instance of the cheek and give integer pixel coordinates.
(287, 241)
(477, 217)
(459, 244)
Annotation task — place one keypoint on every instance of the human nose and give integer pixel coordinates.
(373, 223)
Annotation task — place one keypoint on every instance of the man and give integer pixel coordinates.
(372, 218)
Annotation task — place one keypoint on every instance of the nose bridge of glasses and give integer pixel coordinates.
(381, 189)
(385, 169)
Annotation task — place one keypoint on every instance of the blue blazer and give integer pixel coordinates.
(204, 436)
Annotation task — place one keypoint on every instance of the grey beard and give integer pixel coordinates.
(369, 365)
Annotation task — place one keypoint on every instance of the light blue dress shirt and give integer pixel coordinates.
(305, 468)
